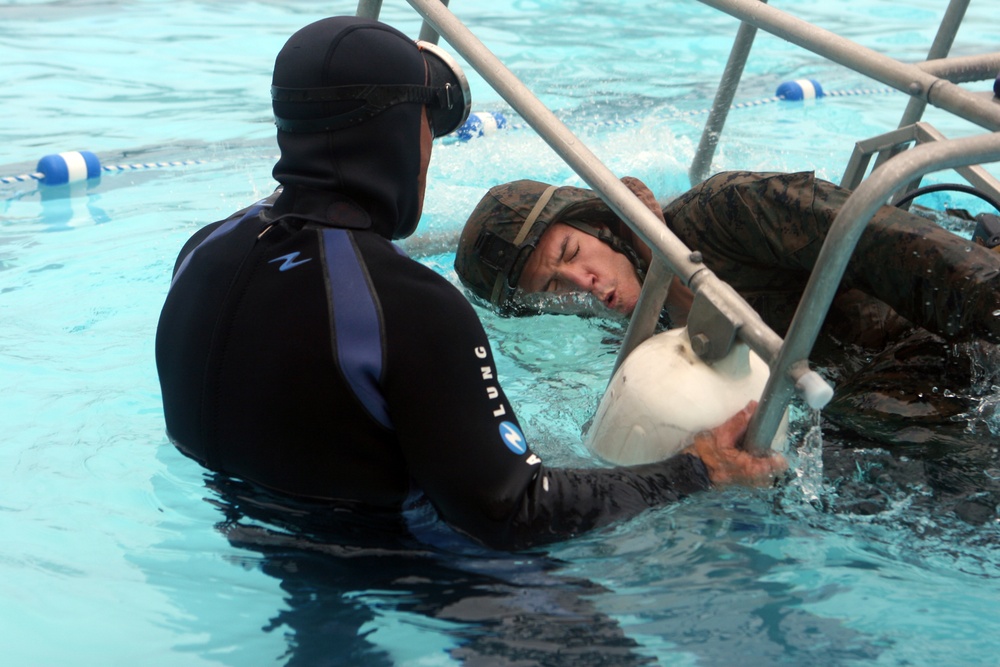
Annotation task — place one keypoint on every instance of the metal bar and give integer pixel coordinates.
(939, 49)
(560, 139)
(906, 78)
(832, 261)
(981, 179)
(369, 9)
(647, 310)
(964, 69)
(895, 142)
(663, 243)
(974, 174)
(752, 328)
(427, 31)
(945, 37)
(702, 162)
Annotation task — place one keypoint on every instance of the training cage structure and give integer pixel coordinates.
(720, 316)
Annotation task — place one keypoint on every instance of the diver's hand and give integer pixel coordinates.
(645, 195)
(726, 462)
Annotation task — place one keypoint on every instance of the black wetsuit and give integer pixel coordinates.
(300, 349)
(322, 362)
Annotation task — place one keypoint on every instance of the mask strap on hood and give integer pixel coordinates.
(377, 98)
(529, 221)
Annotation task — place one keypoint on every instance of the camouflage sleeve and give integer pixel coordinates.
(762, 233)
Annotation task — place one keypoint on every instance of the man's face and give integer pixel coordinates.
(567, 260)
(426, 142)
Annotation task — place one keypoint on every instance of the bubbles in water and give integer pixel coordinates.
(809, 464)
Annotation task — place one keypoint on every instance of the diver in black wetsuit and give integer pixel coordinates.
(298, 348)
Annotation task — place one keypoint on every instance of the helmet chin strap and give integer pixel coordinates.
(604, 234)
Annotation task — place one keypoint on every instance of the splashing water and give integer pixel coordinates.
(808, 465)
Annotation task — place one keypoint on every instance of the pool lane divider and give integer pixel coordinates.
(484, 123)
(75, 166)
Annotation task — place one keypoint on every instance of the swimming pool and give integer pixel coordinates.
(121, 551)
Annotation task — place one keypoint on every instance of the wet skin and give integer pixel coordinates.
(568, 260)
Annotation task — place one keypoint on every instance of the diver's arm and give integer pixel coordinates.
(561, 503)
(573, 501)
(464, 447)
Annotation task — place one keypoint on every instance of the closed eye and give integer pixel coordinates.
(576, 251)
(566, 255)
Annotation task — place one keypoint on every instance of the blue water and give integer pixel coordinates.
(119, 551)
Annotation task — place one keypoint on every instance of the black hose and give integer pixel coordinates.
(957, 187)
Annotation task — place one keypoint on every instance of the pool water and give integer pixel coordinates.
(120, 551)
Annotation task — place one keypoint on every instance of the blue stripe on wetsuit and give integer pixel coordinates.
(224, 228)
(358, 331)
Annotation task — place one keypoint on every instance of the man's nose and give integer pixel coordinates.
(585, 281)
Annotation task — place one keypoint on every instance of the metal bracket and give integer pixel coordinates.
(711, 328)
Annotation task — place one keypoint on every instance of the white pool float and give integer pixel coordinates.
(664, 393)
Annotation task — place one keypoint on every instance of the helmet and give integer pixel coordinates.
(504, 229)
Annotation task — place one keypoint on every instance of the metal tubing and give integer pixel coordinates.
(558, 136)
(832, 261)
(647, 310)
(427, 31)
(702, 162)
(666, 247)
(975, 175)
(369, 9)
(964, 69)
(909, 79)
(939, 49)
(950, 23)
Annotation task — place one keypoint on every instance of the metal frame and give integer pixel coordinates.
(895, 142)
(837, 249)
(720, 315)
(896, 170)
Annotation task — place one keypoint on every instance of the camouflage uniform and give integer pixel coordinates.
(910, 287)
(762, 233)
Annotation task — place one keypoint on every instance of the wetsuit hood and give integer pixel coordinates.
(505, 227)
(366, 175)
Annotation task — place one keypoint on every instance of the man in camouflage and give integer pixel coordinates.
(911, 290)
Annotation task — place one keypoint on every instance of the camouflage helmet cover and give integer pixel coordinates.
(504, 228)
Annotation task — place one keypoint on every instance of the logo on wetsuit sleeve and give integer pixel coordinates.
(509, 432)
(492, 392)
(513, 438)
